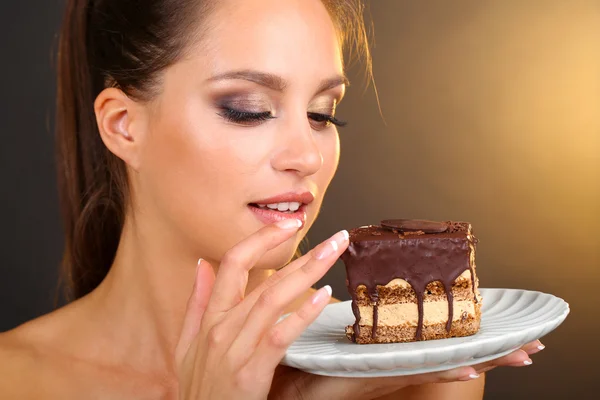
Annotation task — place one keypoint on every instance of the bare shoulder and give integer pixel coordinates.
(27, 369)
(18, 365)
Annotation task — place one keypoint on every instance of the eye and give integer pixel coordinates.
(247, 118)
(322, 121)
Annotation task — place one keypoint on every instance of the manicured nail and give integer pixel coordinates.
(322, 294)
(196, 274)
(327, 250)
(527, 362)
(291, 223)
(346, 235)
(541, 347)
(470, 377)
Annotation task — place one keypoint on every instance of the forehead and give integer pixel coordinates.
(290, 38)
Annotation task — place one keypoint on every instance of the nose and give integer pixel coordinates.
(298, 151)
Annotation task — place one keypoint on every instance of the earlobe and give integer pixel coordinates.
(114, 115)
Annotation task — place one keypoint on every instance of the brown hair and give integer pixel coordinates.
(124, 44)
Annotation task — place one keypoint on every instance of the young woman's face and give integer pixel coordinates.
(242, 125)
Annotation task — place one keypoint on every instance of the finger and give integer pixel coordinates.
(533, 347)
(517, 358)
(203, 284)
(451, 375)
(274, 344)
(273, 301)
(274, 279)
(232, 277)
(292, 267)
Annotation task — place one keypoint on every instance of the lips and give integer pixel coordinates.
(284, 206)
(304, 198)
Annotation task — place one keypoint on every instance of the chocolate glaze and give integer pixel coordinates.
(409, 225)
(377, 254)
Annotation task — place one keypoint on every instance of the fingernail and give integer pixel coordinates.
(327, 250)
(346, 235)
(341, 237)
(291, 223)
(527, 362)
(470, 377)
(322, 294)
(541, 347)
(196, 274)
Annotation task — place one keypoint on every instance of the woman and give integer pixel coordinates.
(179, 124)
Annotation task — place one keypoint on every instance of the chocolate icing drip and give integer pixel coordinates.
(450, 297)
(419, 333)
(374, 296)
(377, 255)
(375, 320)
(356, 327)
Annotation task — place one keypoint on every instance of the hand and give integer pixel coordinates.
(230, 345)
(293, 384)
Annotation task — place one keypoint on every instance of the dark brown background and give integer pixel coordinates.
(492, 115)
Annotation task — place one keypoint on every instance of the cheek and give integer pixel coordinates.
(330, 149)
(187, 178)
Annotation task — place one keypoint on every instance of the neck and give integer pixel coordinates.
(139, 308)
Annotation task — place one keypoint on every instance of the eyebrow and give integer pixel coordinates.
(276, 82)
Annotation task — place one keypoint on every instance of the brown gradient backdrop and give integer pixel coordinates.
(492, 113)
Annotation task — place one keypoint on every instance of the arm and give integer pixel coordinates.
(472, 390)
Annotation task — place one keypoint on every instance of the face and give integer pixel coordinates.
(245, 124)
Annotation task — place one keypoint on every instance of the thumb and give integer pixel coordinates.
(203, 284)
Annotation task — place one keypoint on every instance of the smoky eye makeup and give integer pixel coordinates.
(322, 116)
(245, 110)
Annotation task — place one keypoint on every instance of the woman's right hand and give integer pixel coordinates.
(230, 343)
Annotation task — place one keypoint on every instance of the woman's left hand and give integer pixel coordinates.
(290, 383)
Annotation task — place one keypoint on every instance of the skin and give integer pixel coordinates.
(192, 175)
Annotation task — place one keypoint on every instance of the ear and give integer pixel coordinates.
(118, 117)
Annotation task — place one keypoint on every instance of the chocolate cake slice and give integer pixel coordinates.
(412, 280)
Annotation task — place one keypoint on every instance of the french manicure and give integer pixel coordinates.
(541, 347)
(341, 237)
(327, 250)
(320, 295)
(470, 377)
(527, 362)
(290, 223)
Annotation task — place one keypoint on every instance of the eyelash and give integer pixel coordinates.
(245, 117)
(241, 117)
(330, 119)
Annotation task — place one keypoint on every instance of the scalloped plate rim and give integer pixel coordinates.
(506, 341)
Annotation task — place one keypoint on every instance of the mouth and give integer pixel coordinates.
(282, 207)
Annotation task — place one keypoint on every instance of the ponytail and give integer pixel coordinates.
(92, 181)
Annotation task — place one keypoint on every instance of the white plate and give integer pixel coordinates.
(510, 319)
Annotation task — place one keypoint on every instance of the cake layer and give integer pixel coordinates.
(399, 291)
(407, 333)
(434, 312)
